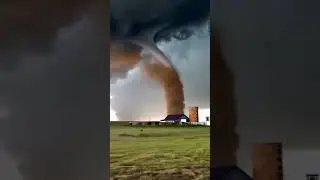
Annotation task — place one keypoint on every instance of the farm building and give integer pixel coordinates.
(176, 118)
(144, 122)
(193, 119)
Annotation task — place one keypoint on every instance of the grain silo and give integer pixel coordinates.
(193, 114)
(267, 161)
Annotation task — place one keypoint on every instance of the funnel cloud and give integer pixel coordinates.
(169, 80)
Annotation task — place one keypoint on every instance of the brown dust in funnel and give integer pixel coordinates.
(124, 56)
(170, 81)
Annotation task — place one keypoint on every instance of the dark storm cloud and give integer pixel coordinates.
(272, 47)
(155, 20)
(137, 96)
(57, 104)
(133, 18)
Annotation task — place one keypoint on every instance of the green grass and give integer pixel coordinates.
(159, 153)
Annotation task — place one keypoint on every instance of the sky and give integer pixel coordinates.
(137, 97)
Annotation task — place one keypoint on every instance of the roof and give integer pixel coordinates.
(175, 117)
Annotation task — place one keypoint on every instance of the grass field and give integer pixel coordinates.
(159, 153)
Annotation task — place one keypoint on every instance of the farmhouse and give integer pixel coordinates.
(176, 118)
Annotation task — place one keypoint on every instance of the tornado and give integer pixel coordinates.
(155, 51)
(130, 51)
(124, 56)
(170, 81)
(156, 66)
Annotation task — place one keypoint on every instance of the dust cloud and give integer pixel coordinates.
(123, 56)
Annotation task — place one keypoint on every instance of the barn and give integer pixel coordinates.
(176, 118)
